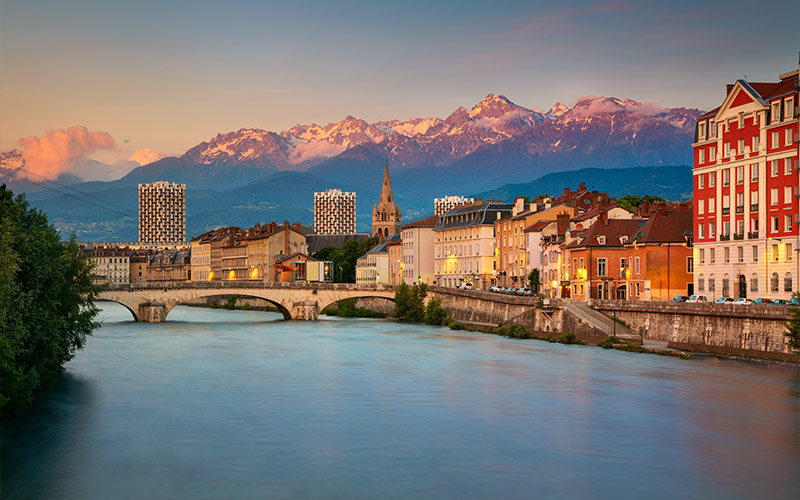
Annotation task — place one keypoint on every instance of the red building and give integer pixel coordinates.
(746, 192)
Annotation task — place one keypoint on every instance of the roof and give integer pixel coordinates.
(474, 215)
(612, 230)
(669, 226)
(594, 213)
(538, 226)
(317, 242)
(426, 222)
(282, 258)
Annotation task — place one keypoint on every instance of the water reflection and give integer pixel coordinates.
(238, 404)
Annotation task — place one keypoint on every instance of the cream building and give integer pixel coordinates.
(373, 267)
(162, 213)
(335, 212)
(443, 205)
(418, 251)
(465, 245)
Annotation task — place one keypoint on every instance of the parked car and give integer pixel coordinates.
(762, 301)
(724, 300)
(679, 298)
(697, 298)
(742, 300)
(780, 302)
(794, 301)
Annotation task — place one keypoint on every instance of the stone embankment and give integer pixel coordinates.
(755, 331)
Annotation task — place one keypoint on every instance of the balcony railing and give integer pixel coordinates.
(754, 207)
(738, 236)
(740, 209)
(724, 237)
(753, 235)
(726, 211)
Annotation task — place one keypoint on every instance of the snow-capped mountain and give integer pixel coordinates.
(591, 123)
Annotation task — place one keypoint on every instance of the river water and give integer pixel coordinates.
(236, 404)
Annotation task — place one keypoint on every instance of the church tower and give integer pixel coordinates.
(386, 214)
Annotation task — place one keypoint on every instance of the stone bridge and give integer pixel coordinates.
(152, 302)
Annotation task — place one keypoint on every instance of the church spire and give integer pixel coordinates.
(386, 213)
(386, 191)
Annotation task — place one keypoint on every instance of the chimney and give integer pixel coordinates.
(562, 223)
(296, 226)
(566, 191)
(273, 226)
(604, 218)
(519, 206)
(728, 88)
(285, 237)
(582, 187)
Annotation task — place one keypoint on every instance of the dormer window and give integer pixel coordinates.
(776, 112)
(701, 133)
(601, 240)
(789, 108)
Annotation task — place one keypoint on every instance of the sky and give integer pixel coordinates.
(158, 77)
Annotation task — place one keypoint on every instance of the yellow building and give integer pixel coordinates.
(465, 245)
(265, 244)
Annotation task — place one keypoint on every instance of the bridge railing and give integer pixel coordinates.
(224, 285)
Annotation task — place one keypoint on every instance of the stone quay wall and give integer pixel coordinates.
(755, 331)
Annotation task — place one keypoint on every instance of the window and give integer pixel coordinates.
(788, 109)
(712, 178)
(636, 265)
(623, 266)
(727, 150)
(700, 230)
(725, 286)
(712, 229)
(787, 222)
(774, 282)
(755, 143)
(787, 166)
(701, 206)
(754, 172)
(740, 253)
(601, 240)
(689, 264)
(740, 226)
(701, 180)
(711, 284)
(774, 224)
(726, 177)
(788, 251)
(740, 147)
(727, 227)
(702, 256)
(754, 283)
(712, 205)
(701, 156)
(755, 253)
(726, 202)
(581, 261)
(726, 252)
(739, 201)
(754, 225)
(701, 133)
(775, 168)
(776, 112)
(741, 122)
(753, 201)
(775, 252)
(787, 195)
(701, 283)
(601, 267)
(740, 175)
(773, 196)
(788, 138)
(713, 255)
(776, 139)
(787, 282)
(638, 289)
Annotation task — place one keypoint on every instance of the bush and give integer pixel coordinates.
(409, 302)
(514, 331)
(246, 306)
(346, 308)
(454, 325)
(792, 332)
(230, 303)
(570, 338)
(434, 313)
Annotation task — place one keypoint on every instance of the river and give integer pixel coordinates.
(237, 404)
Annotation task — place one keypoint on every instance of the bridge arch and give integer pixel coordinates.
(123, 304)
(325, 302)
(221, 293)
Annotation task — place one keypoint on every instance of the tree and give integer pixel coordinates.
(793, 327)
(434, 312)
(409, 302)
(46, 302)
(533, 280)
(631, 202)
(344, 259)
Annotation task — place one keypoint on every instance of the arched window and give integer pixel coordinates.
(787, 282)
(754, 283)
(774, 284)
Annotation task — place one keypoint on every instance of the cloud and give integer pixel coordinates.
(61, 151)
(145, 156)
(591, 105)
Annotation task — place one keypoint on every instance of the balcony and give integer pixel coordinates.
(754, 207)
(724, 237)
(740, 209)
(726, 211)
(738, 236)
(753, 235)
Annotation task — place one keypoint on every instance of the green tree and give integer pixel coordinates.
(410, 302)
(402, 297)
(533, 280)
(46, 302)
(344, 259)
(631, 202)
(434, 312)
(793, 327)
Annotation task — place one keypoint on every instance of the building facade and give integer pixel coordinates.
(386, 215)
(169, 266)
(162, 213)
(111, 265)
(418, 251)
(335, 212)
(745, 192)
(394, 247)
(465, 245)
(442, 205)
(373, 267)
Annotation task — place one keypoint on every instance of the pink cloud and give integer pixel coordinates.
(145, 156)
(59, 151)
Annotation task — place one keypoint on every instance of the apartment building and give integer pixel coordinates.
(335, 212)
(162, 213)
(418, 251)
(443, 205)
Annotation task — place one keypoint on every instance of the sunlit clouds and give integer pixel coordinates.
(59, 151)
(145, 156)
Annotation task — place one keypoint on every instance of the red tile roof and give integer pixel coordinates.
(427, 222)
(538, 226)
(667, 227)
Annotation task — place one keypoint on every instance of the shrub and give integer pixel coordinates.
(570, 338)
(434, 313)
(514, 331)
(454, 325)
(230, 303)
(247, 306)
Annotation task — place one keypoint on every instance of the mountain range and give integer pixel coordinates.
(496, 142)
